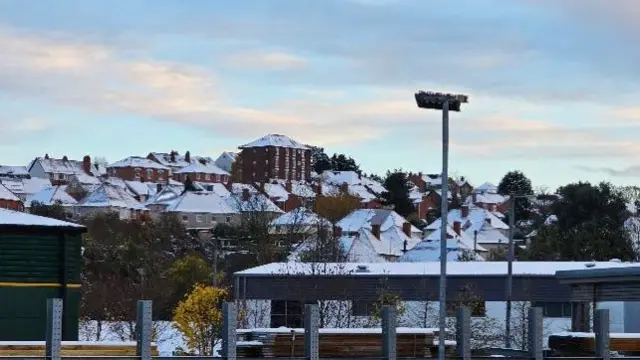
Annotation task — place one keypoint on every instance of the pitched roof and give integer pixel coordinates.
(137, 162)
(486, 188)
(364, 218)
(15, 218)
(179, 160)
(34, 185)
(197, 167)
(201, 202)
(481, 220)
(7, 170)
(50, 196)
(300, 216)
(6, 194)
(276, 140)
(276, 191)
(59, 166)
(109, 195)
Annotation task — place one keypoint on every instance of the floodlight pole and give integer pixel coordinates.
(444, 102)
(510, 256)
(444, 210)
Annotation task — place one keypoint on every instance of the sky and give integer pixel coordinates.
(553, 85)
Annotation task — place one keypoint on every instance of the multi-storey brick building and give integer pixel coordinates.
(274, 157)
(139, 169)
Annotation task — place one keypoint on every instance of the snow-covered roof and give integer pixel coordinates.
(432, 179)
(429, 250)
(50, 196)
(478, 219)
(137, 162)
(364, 218)
(8, 218)
(60, 166)
(179, 160)
(8, 170)
(277, 192)
(299, 217)
(299, 188)
(486, 188)
(488, 198)
(16, 186)
(352, 178)
(467, 268)
(6, 194)
(140, 188)
(201, 202)
(361, 192)
(109, 195)
(257, 202)
(238, 188)
(166, 196)
(198, 167)
(464, 238)
(86, 179)
(276, 140)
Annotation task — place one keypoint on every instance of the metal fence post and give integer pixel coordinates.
(535, 335)
(54, 329)
(311, 332)
(229, 333)
(144, 323)
(389, 324)
(463, 333)
(601, 323)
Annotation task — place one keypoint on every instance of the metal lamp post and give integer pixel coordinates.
(444, 102)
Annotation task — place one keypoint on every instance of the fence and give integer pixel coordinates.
(53, 338)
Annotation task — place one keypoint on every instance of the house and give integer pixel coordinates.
(489, 201)
(367, 190)
(14, 172)
(9, 200)
(24, 187)
(274, 156)
(298, 224)
(139, 169)
(460, 246)
(203, 210)
(479, 224)
(376, 235)
(226, 160)
(201, 172)
(462, 187)
(486, 188)
(174, 161)
(110, 198)
(82, 184)
(425, 182)
(54, 195)
(162, 199)
(60, 171)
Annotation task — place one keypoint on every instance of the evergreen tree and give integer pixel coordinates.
(515, 183)
(397, 185)
(340, 162)
(320, 161)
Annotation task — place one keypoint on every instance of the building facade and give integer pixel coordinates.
(274, 156)
(135, 168)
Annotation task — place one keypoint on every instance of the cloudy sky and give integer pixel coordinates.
(554, 85)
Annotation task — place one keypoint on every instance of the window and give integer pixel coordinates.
(554, 309)
(160, 172)
(199, 218)
(207, 177)
(61, 176)
(185, 218)
(228, 219)
(149, 173)
(286, 313)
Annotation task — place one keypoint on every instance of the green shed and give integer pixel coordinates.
(40, 258)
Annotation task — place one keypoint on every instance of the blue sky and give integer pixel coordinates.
(553, 84)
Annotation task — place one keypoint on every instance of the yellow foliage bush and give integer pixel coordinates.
(198, 317)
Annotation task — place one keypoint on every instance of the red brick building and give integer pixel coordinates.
(271, 157)
(135, 168)
(9, 200)
(201, 172)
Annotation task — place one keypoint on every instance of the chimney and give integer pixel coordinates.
(337, 232)
(245, 194)
(288, 186)
(474, 198)
(46, 156)
(420, 174)
(158, 187)
(262, 187)
(464, 210)
(319, 189)
(344, 187)
(86, 164)
(65, 158)
(475, 241)
(406, 228)
(457, 227)
(375, 230)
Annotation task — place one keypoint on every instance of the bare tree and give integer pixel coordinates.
(484, 329)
